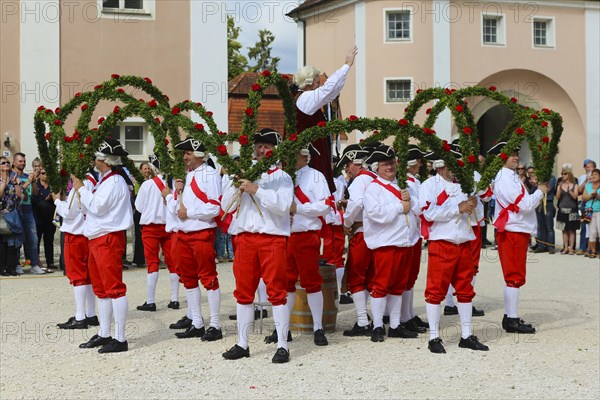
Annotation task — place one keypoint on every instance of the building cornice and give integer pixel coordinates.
(318, 8)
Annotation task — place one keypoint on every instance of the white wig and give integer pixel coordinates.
(108, 159)
(306, 76)
(439, 164)
(567, 167)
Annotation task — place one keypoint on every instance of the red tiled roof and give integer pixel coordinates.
(241, 85)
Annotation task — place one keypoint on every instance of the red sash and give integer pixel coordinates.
(488, 193)
(223, 225)
(303, 198)
(425, 225)
(159, 183)
(410, 179)
(502, 219)
(112, 173)
(390, 189)
(369, 173)
(269, 172)
(92, 180)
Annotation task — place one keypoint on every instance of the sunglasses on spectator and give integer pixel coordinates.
(43, 173)
(520, 167)
(4, 162)
(565, 173)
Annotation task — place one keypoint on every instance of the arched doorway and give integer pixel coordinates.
(491, 124)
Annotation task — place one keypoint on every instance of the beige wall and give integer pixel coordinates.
(9, 78)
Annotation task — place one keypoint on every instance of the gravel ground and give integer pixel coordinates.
(561, 361)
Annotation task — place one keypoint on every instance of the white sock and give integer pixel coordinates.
(80, 293)
(245, 319)
(90, 301)
(120, 306)
(214, 305)
(450, 297)
(360, 304)
(193, 300)
(473, 280)
(174, 286)
(281, 318)
(105, 313)
(378, 305)
(511, 301)
(433, 316)
(189, 310)
(465, 311)
(151, 280)
(339, 274)
(261, 294)
(394, 304)
(291, 300)
(406, 310)
(315, 303)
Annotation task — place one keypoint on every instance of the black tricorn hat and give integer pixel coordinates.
(498, 147)
(154, 160)
(381, 153)
(353, 153)
(190, 144)
(267, 135)
(112, 147)
(414, 152)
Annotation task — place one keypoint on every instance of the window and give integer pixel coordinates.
(132, 9)
(543, 32)
(123, 4)
(131, 137)
(398, 25)
(492, 30)
(398, 90)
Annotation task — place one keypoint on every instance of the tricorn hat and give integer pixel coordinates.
(154, 161)
(267, 135)
(498, 147)
(112, 147)
(414, 152)
(381, 153)
(353, 153)
(191, 144)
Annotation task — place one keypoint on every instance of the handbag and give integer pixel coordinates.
(4, 227)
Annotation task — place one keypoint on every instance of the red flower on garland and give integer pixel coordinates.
(47, 135)
(243, 140)
(544, 124)
(40, 108)
(446, 146)
(167, 97)
(546, 110)
(503, 156)
(403, 122)
(419, 91)
(166, 142)
(493, 88)
(321, 124)
(472, 159)
(57, 110)
(428, 111)
(199, 104)
(81, 156)
(293, 137)
(57, 122)
(121, 90)
(268, 153)
(66, 139)
(459, 108)
(285, 76)
(76, 135)
(199, 127)
(88, 139)
(534, 116)
(97, 87)
(78, 94)
(142, 100)
(520, 131)
(514, 99)
(209, 113)
(546, 139)
(222, 133)
(48, 111)
(84, 107)
(175, 110)
(266, 73)
(249, 112)
(453, 90)
(222, 149)
(116, 109)
(152, 103)
(428, 131)
(115, 76)
(256, 87)
(148, 80)
(460, 163)
(352, 118)
(157, 120)
(467, 130)
(63, 173)
(101, 120)
(448, 91)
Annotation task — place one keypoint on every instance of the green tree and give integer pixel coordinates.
(261, 52)
(237, 63)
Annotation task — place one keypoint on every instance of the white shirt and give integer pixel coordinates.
(73, 218)
(274, 198)
(385, 223)
(314, 186)
(108, 209)
(200, 215)
(150, 204)
(448, 223)
(507, 187)
(482, 196)
(334, 216)
(171, 219)
(354, 209)
(311, 101)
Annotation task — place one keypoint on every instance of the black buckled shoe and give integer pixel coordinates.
(320, 339)
(183, 323)
(419, 322)
(472, 343)
(114, 347)
(436, 346)
(92, 321)
(174, 305)
(378, 334)
(212, 334)
(412, 326)
(191, 332)
(236, 352)
(346, 299)
(272, 338)
(72, 323)
(147, 307)
(95, 341)
(516, 325)
(450, 310)
(477, 312)
(401, 332)
(359, 330)
(281, 356)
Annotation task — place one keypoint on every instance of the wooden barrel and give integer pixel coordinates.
(301, 318)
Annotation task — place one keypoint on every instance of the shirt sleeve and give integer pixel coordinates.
(62, 207)
(280, 201)
(212, 207)
(141, 198)
(378, 209)
(319, 207)
(354, 207)
(433, 212)
(101, 202)
(311, 101)
(507, 192)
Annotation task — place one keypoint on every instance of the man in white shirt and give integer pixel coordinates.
(261, 228)
(196, 207)
(515, 221)
(152, 207)
(390, 231)
(589, 166)
(446, 226)
(108, 214)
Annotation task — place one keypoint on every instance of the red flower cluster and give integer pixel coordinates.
(419, 91)
(403, 122)
(58, 122)
(40, 108)
(493, 88)
(249, 112)
(266, 73)
(101, 120)
(148, 80)
(175, 110)
(460, 163)
(268, 153)
(352, 118)
(459, 108)
(199, 104)
(467, 130)
(88, 139)
(243, 140)
(76, 135)
(448, 91)
(322, 124)
(472, 159)
(285, 76)
(503, 156)
(157, 120)
(199, 127)
(97, 87)
(57, 110)
(446, 146)
(546, 139)
(544, 124)
(166, 142)
(78, 94)
(47, 135)
(209, 113)
(63, 173)
(81, 156)
(116, 109)
(428, 111)
(152, 103)
(222, 149)
(48, 111)
(546, 110)
(293, 137)
(256, 87)
(84, 107)
(121, 90)
(222, 133)
(534, 116)
(428, 131)
(520, 131)
(115, 76)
